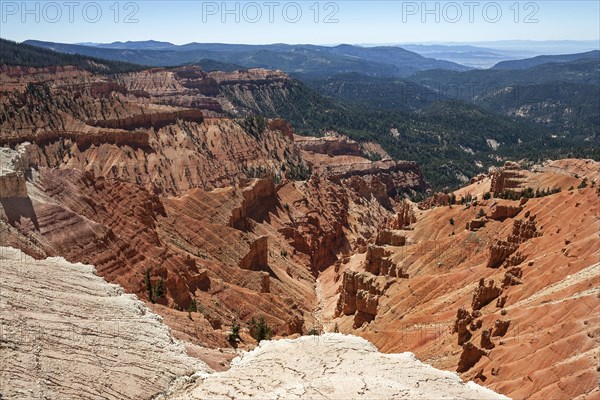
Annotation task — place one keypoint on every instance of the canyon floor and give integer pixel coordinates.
(197, 221)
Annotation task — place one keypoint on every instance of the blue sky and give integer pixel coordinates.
(356, 22)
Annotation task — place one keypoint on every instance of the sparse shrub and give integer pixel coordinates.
(254, 125)
(528, 193)
(314, 331)
(299, 172)
(159, 289)
(466, 199)
(481, 213)
(487, 196)
(373, 156)
(259, 329)
(451, 220)
(234, 335)
(283, 253)
(583, 184)
(155, 291)
(148, 284)
(416, 197)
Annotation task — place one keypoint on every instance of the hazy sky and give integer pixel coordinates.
(356, 22)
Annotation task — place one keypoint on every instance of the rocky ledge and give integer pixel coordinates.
(330, 366)
(67, 333)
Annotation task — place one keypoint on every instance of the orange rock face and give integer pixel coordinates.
(529, 326)
(134, 175)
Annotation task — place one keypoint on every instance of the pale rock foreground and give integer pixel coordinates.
(331, 366)
(66, 333)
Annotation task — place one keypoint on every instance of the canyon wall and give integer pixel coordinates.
(485, 301)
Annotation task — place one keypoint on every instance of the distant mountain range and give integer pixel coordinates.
(539, 47)
(315, 62)
(471, 56)
(487, 54)
(299, 60)
(134, 45)
(432, 116)
(18, 54)
(539, 60)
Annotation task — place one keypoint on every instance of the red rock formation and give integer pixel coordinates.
(392, 238)
(484, 294)
(501, 211)
(152, 120)
(314, 230)
(500, 327)
(393, 174)
(512, 277)
(175, 158)
(416, 314)
(137, 201)
(360, 293)
(82, 140)
(469, 357)
(12, 184)
(347, 302)
(330, 145)
(506, 178)
(476, 224)
(436, 200)
(377, 262)
(486, 342)
(282, 126)
(249, 76)
(405, 216)
(207, 247)
(500, 250)
(257, 258)
(461, 326)
(257, 196)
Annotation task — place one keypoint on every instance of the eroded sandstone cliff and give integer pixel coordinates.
(213, 221)
(513, 304)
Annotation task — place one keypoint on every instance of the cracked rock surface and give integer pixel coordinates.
(66, 333)
(330, 366)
